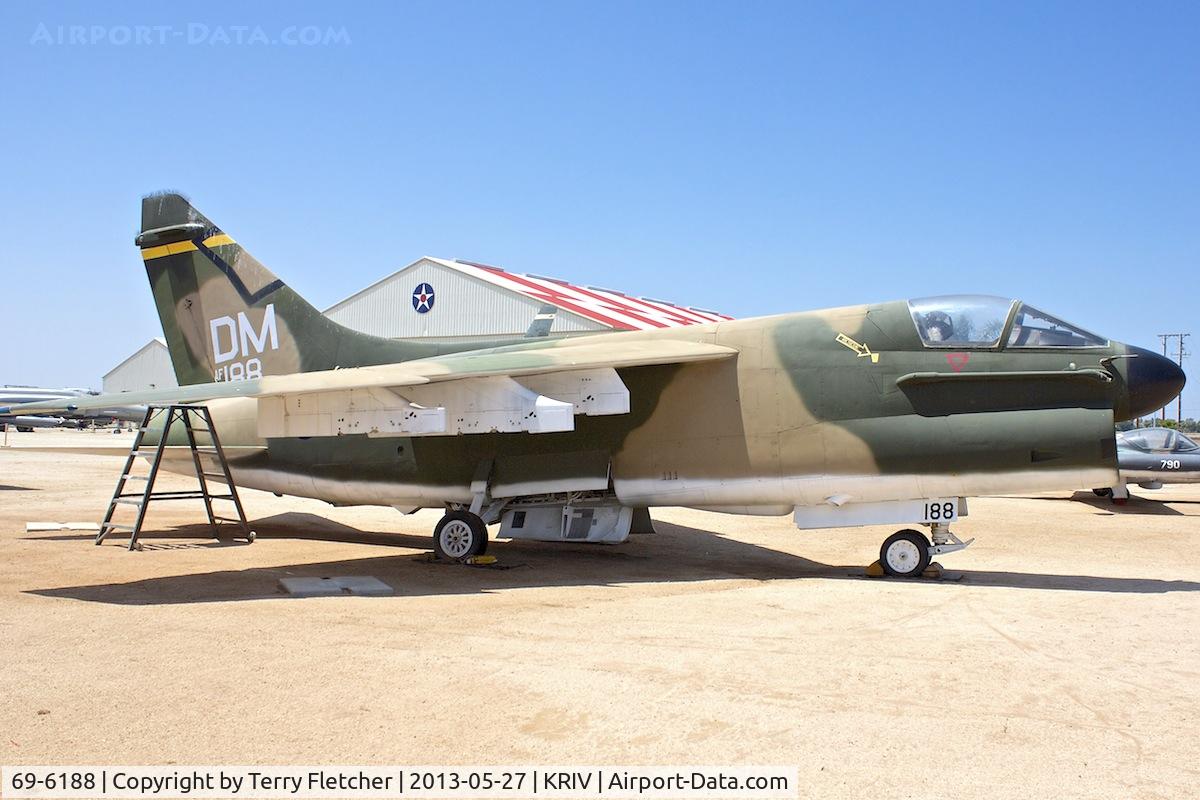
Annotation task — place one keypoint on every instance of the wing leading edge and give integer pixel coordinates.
(532, 389)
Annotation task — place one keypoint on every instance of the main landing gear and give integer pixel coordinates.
(907, 553)
(460, 535)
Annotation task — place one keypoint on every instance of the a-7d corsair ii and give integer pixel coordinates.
(872, 414)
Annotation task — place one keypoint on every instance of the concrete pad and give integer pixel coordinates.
(32, 527)
(362, 585)
(311, 587)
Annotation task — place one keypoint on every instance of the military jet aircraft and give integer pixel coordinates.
(12, 395)
(874, 414)
(1151, 457)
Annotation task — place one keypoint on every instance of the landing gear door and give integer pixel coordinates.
(548, 473)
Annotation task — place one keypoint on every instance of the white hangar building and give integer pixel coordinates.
(456, 301)
(148, 368)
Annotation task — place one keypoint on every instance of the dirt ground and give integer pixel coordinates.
(1061, 660)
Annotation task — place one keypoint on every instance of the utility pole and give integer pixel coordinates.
(1180, 353)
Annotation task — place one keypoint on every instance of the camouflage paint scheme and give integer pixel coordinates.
(753, 416)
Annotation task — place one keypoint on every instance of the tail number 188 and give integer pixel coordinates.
(940, 511)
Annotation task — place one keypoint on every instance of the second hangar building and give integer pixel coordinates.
(458, 301)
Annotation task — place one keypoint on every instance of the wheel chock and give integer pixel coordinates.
(935, 571)
(481, 561)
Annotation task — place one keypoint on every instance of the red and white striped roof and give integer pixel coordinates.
(608, 307)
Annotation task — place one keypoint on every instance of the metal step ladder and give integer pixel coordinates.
(195, 420)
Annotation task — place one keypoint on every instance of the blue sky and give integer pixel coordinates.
(751, 157)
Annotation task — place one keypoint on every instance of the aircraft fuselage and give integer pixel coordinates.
(800, 415)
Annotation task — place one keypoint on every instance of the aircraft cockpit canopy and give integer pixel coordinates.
(960, 320)
(978, 321)
(1159, 439)
(1033, 328)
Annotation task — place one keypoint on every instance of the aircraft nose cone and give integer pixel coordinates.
(1153, 381)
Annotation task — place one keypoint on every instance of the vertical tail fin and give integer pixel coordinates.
(227, 317)
(543, 322)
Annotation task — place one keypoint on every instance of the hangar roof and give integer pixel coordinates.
(607, 307)
(156, 343)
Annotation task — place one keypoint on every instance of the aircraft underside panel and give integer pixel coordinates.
(1143, 476)
(588, 472)
(817, 490)
(940, 510)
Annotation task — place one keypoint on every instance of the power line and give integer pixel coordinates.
(1180, 353)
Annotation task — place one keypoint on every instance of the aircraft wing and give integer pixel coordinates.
(537, 389)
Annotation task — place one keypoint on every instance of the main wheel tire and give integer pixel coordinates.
(904, 554)
(459, 535)
(1105, 492)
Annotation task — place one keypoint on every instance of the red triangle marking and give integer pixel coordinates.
(957, 360)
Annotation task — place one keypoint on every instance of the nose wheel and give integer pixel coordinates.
(907, 553)
(904, 554)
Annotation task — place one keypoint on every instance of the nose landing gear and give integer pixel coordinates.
(907, 553)
(904, 554)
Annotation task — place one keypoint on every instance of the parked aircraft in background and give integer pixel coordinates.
(873, 414)
(11, 395)
(67, 416)
(1152, 457)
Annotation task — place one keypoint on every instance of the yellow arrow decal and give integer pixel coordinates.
(861, 349)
